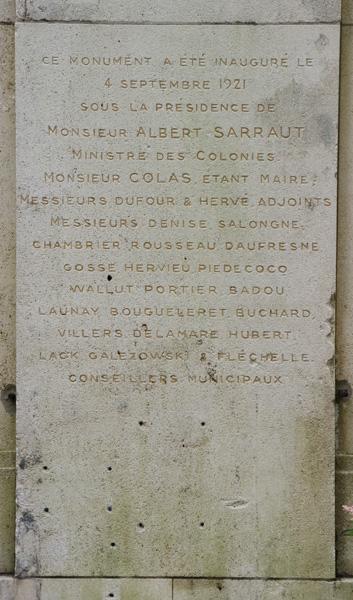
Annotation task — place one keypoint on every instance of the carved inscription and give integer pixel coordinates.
(177, 251)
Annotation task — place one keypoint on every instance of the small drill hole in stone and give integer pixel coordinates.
(110, 468)
(109, 508)
(109, 277)
(141, 526)
(219, 586)
(202, 524)
(46, 509)
(111, 595)
(45, 468)
(203, 423)
(113, 544)
(141, 423)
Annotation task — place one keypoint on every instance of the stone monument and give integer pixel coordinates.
(176, 268)
(175, 282)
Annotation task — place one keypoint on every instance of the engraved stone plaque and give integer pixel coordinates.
(176, 275)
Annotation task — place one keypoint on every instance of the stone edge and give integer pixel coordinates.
(167, 589)
(347, 12)
(26, 10)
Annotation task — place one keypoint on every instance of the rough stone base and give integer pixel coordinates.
(168, 589)
(262, 590)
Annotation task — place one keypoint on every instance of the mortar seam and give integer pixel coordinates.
(227, 23)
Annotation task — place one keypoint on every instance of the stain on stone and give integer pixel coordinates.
(326, 129)
(343, 390)
(322, 41)
(27, 536)
(38, 590)
(212, 372)
(8, 398)
(322, 9)
(332, 318)
(323, 128)
(235, 504)
(27, 519)
(29, 460)
(22, 463)
(219, 586)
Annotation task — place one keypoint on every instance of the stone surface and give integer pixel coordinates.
(266, 590)
(345, 243)
(7, 299)
(181, 11)
(7, 11)
(344, 369)
(8, 589)
(98, 589)
(344, 495)
(343, 589)
(144, 451)
(347, 11)
(85, 589)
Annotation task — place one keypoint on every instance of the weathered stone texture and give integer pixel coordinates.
(7, 11)
(8, 589)
(203, 481)
(85, 589)
(344, 313)
(222, 11)
(345, 245)
(343, 589)
(347, 11)
(144, 589)
(266, 590)
(7, 299)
